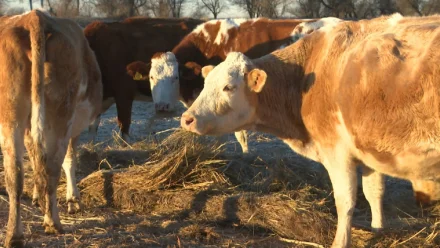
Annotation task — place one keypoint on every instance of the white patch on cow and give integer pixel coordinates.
(164, 81)
(82, 117)
(231, 70)
(305, 28)
(82, 88)
(222, 36)
(69, 166)
(37, 121)
(230, 73)
(394, 19)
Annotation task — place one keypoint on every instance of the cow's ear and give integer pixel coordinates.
(138, 70)
(194, 67)
(206, 70)
(256, 80)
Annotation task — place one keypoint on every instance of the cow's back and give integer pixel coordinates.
(70, 68)
(380, 80)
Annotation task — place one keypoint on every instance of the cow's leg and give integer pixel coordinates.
(124, 106)
(47, 168)
(69, 166)
(55, 155)
(13, 148)
(242, 139)
(373, 187)
(426, 191)
(344, 180)
(93, 130)
(29, 144)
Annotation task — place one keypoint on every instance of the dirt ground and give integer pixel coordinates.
(155, 194)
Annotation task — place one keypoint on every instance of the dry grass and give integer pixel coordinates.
(188, 191)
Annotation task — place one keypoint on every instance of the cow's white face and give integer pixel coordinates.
(228, 100)
(164, 81)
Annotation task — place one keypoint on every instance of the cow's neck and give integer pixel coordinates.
(187, 51)
(279, 103)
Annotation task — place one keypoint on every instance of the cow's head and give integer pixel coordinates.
(228, 101)
(164, 81)
(171, 82)
(163, 75)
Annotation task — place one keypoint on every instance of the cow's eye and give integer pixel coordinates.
(176, 78)
(151, 77)
(228, 88)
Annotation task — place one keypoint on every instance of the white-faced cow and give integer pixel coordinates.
(361, 92)
(119, 43)
(50, 90)
(177, 75)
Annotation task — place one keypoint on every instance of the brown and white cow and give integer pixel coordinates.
(50, 90)
(361, 92)
(177, 75)
(119, 43)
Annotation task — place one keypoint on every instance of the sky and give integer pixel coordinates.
(231, 11)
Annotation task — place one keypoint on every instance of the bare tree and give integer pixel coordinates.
(175, 7)
(252, 7)
(306, 9)
(124, 8)
(214, 6)
(266, 8)
(159, 8)
(339, 8)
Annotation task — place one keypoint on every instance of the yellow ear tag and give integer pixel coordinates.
(137, 76)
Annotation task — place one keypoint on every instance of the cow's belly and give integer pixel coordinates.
(83, 117)
(412, 164)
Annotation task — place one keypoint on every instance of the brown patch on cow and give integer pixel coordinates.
(194, 67)
(422, 198)
(426, 192)
(157, 55)
(183, 26)
(139, 67)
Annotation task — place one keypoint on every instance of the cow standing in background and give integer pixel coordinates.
(119, 43)
(50, 90)
(177, 75)
(365, 92)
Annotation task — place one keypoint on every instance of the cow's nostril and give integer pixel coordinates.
(156, 106)
(189, 120)
(167, 106)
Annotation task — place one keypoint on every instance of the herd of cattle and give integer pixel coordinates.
(342, 93)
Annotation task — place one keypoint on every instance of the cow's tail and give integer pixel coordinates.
(38, 52)
(38, 152)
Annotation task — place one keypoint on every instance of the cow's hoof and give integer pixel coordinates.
(73, 206)
(14, 242)
(53, 228)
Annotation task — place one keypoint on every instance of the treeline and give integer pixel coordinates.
(212, 8)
